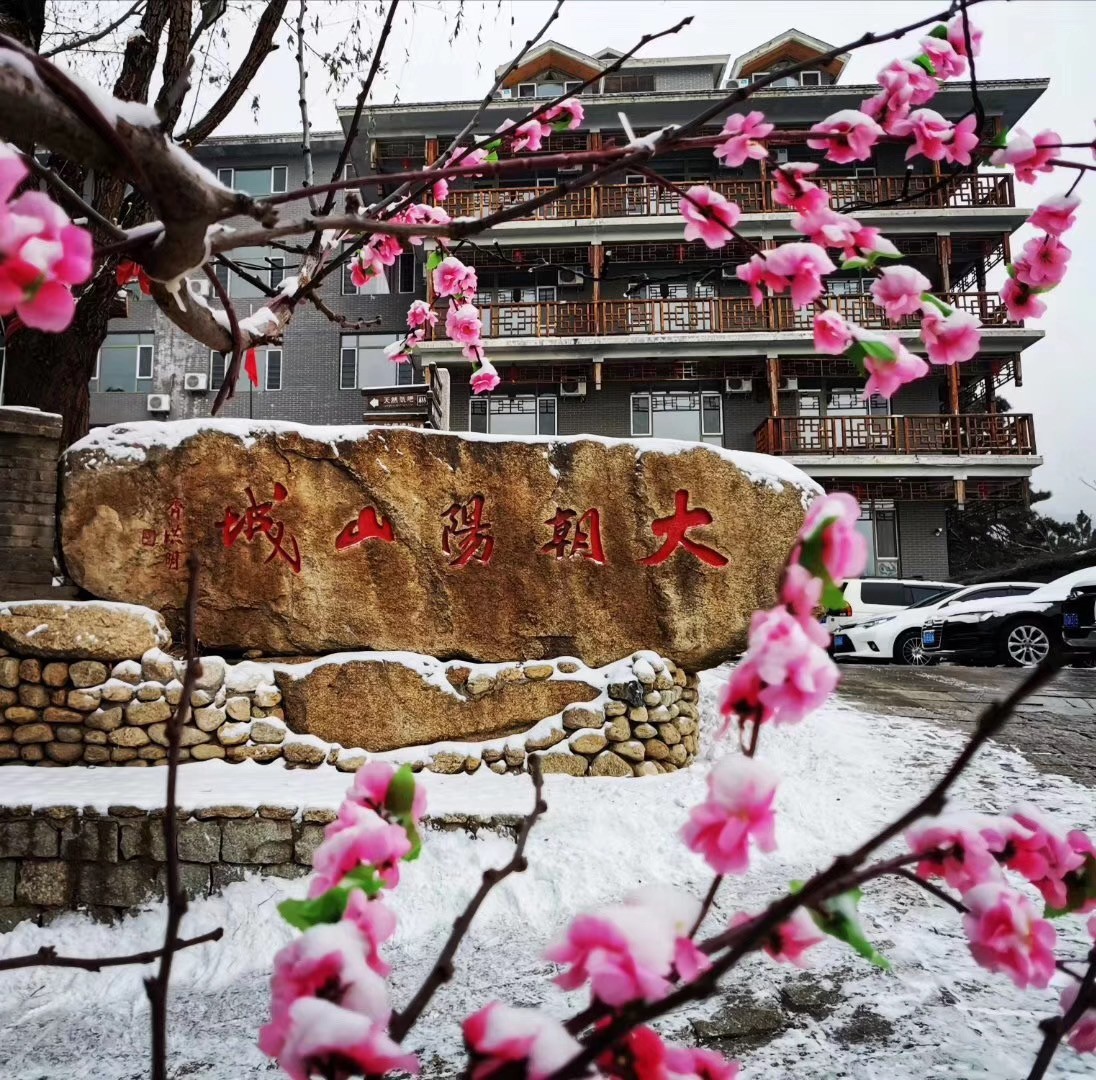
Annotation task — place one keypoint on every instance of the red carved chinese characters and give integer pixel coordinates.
(174, 535)
(586, 541)
(148, 537)
(673, 529)
(258, 519)
(466, 536)
(367, 526)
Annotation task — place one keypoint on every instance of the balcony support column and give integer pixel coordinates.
(773, 368)
(991, 394)
(961, 494)
(431, 151)
(597, 266)
(943, 253)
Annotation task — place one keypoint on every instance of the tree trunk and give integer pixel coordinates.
(52, 371)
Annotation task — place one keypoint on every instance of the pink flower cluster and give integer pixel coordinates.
(1043, 262)
(531, 133)
(743, 139)
(789, 942)
(846, 136)
(42, 254)
(936, 138)
(462, 320)
(329, 1002)
(738, 809)
(1028, 155)
(795, 267)
(500, 1035)
(829, 229)
(971, 851)
(379, 251)
(795, 192)
(631, 951)
(643, 1055)
(708, 216)
(889, 364)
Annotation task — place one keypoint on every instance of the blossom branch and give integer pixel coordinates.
(442, 970)
(302, 99)
(1056, 1028)
(47, 956)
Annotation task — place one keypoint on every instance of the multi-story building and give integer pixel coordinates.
(601, 319)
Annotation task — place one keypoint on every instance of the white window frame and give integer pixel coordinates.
(137, 372)
(757, 76)
(277, 262)
(571, 86)
(274, 170)
(409, 256)
(266, 370)
(150, 351)
(632, 417)
(524, 84)
(719, 412)
(816, 78)
(537, 401)
(213, 384)
(345, 349)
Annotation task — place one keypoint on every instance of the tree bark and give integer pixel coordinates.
(52, 371)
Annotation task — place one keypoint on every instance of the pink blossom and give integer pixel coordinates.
(500, 1035)
(801, 592)
(526, 136)
(453, 278)
(42, 254)
(950, 339)
(1082, 1036)
(945, 58)
(847, 135)
(827, 228)
(898, 291)
(1026, 155)
(789, 942)
(373, 781)
(571, 109)
(963, 140)
(379, 251)
(327, 961)
(708, 216)
(961, 848)
(957, 35)
(870, 241)
(930, 132)
(742, 144)
(640, 1055)
(322, 1038)
(463, 324)
(1042, 855)
(1055, 215)
(375, 922)
(832, 334)
(738, 808)
(687, 1063)
(803, 265)
(1042, 264)
(886, 109)
(1006, 934)
(844, 550)
(783, 675)
(440, 190)
(1020, 301)
(466, 160)
(358, 837)
(905, 79)
(421, 314)
(755, 273)
(626, 951)
(485, 378)
(793, 191)
(885, 377)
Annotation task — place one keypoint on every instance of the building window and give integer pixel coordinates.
(277, 270)
(273, 379)
(124, 365)
(688, 415)
(572, 86)
(810, 78)
(527, 90)
(518, 414)
(363, 363)
(879, 526)
(218, 365)
(257, 182)
(405, 272)
(627, 84)
(259, 263)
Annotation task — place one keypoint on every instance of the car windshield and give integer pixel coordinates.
(935, 598)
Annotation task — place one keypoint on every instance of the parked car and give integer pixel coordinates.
(1020, 632)
(897, 637)
(865, 597)
(1079, 619)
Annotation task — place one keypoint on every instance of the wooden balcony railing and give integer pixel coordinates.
(753, 196)
(970, 433)
(715, 315)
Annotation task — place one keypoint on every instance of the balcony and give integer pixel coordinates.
(713, 315)
(972, 433)
(916, 192)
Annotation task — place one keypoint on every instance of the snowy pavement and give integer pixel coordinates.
(935, 1016)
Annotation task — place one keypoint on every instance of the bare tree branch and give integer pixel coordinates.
(47, 956)
(239, 345)
(302, 98)
(98, 35)
(1055, 1029)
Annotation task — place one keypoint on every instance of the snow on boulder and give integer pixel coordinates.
(316, 539)
(80, 629)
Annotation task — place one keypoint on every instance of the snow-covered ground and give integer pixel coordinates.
(935, 1016)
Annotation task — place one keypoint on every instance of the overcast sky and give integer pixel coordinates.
(1024, 38)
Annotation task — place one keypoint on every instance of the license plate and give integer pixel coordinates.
(840, 641)
(928, 637)
(1072, 620)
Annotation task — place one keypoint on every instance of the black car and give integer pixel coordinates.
(1020, 632)
(1079, 619)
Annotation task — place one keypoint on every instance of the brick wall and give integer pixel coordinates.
(923, 553)
(29, 444)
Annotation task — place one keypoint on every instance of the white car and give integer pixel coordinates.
(865, 597)
(897, 637)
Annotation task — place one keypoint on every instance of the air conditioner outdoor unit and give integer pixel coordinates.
(780, 155)
(198, 286)
(789, 384)
(572, 388)
(158, 403)
(737, 82)
(727, 273)
(506, 93)
(734, 385)
(569, 277)
(569, 170)
(196, 381)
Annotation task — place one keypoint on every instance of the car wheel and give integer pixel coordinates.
(908, 651)
(1026, 644)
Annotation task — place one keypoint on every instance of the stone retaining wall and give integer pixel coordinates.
(62, 858)
(61, 712)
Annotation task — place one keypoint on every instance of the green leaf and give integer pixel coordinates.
(939, 31)
(400, 802)
(926, 63)
(434, 260)
(492, 157)
(304, 914)
(1010, 270)
(364, 878)
(1001, 141)
(1080, 889)
(492, 146)
(878, 350)
(875, 256)
(833, 599)
(928, 298)
(839, 918)
(562, 125)
(857, 263)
